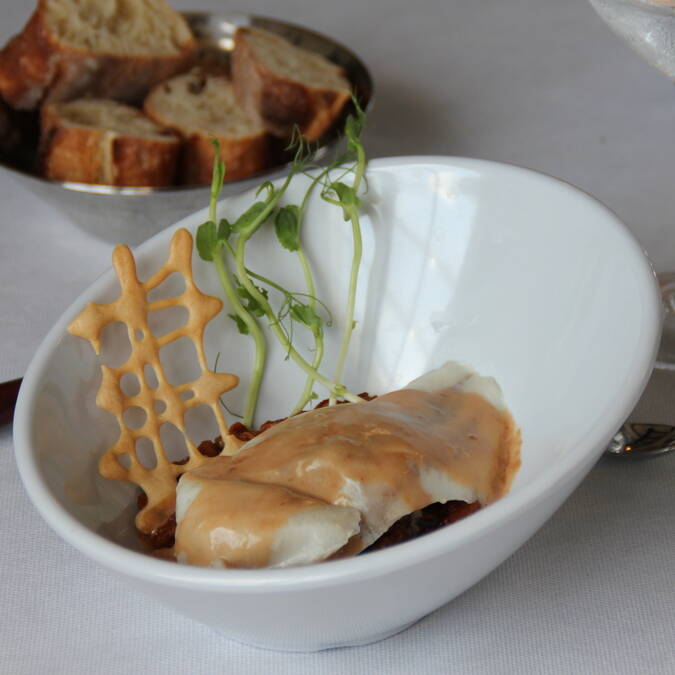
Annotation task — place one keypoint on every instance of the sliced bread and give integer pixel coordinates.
(285, 86)
(105, 142)
(114, 49)
(201, 106)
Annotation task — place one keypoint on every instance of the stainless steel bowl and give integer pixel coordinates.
(133, 214)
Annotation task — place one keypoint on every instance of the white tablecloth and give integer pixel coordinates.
(541, 84)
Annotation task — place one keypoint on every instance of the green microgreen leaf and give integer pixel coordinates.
(249, 302)
(287, 227)
(354, 126)
(346, 194)
(207, 240)
(306, 315)
(267, 185)
(303, 150)
(249, 218)
(347, 197)
(241, 324)
(224, 229)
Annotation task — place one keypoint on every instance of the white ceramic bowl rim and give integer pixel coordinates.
(363, 567)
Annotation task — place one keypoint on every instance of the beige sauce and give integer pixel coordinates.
(235, 522)
(385, 441)
(367, 455)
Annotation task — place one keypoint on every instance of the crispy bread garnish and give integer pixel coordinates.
(132, 308)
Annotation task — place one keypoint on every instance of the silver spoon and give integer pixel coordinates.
(642, 440)
(648, 440)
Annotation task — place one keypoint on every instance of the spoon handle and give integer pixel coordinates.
(8, 394)
(642, 440)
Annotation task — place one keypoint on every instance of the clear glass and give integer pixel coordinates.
(649, 28)
(647, 25)
(666, 356)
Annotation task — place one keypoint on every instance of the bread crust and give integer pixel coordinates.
(243, 157)
(36, 68)
(279, 103)
(86, 155)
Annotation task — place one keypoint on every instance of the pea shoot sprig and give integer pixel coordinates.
(224, 243)
(346, 196)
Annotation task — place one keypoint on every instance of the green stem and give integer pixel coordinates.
(265, 213)
(351, 295)
(306, 394)
(354, 273)
(309, 278)
(334, 388)
(268, 282)
(360, 167)
(289, 294)
(213, 203)
(256, 333)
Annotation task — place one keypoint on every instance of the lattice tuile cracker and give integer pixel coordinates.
(132, 308)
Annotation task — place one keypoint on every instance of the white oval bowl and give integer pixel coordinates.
(517, 274)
